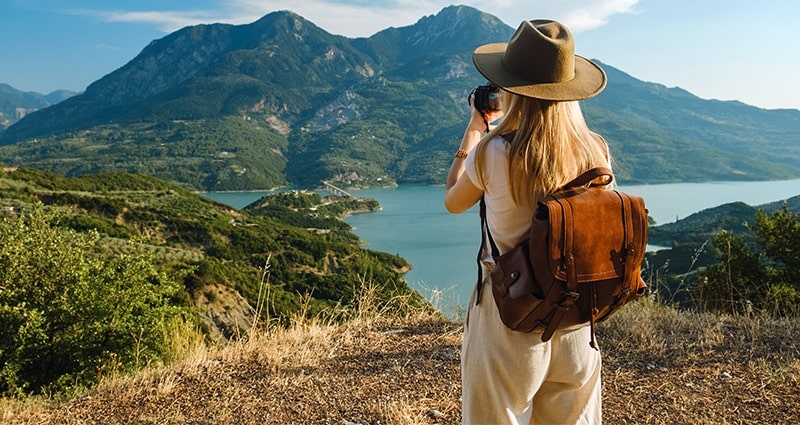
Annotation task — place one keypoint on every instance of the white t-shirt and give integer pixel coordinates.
(508, 222)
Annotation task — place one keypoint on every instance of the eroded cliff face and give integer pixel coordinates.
(224, 311)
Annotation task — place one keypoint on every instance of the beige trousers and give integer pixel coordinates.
(511, 377)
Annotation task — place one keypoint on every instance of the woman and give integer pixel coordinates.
(540, 143)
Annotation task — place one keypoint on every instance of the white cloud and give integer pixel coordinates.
(357, 18)
(596, 13)
(578, 15)
(352, 19)
(104, 46)
(167, 21)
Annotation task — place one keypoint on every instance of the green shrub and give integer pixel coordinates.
(762, 275)
(68, 316)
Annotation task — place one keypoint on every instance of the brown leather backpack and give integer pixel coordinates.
(581, 262)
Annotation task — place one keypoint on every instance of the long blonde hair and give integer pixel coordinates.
(550, 146)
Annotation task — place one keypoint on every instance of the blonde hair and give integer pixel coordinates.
(550, 146)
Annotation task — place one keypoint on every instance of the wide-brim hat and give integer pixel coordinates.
(540, 61)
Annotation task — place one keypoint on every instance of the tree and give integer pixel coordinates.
(763, 274)
(779, 237)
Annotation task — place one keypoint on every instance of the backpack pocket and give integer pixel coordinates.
(514, 288)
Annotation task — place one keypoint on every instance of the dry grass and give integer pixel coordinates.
(660, 367)
(665, 367)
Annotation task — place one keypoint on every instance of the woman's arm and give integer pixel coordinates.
(460, 193)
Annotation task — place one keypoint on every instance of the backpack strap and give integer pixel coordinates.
(495, 252)
(628, 255)
(485, 226)
(589, 176)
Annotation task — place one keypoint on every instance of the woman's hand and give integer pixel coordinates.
(479, 121)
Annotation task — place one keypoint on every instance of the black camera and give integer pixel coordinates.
(487, 97)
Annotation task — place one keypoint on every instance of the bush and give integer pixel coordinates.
(68, 317)
(763, 275)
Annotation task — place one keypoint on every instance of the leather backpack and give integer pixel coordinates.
(580, 263)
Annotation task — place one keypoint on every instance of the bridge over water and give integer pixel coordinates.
(326, 185)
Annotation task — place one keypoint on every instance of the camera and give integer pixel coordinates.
(487, 97)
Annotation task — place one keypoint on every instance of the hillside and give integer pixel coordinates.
(315, 262)
(280, 101)
(703, 225)
(660, 134)
(660, 367)
(692, 239)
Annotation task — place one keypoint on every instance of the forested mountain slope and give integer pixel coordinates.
(281, 101)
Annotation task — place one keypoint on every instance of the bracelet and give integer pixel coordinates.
(461, 153)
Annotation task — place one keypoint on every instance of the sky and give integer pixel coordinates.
(743, 50)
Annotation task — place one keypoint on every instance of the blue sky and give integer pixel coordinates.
(716, 49)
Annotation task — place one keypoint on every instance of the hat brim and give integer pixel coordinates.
(589, 78)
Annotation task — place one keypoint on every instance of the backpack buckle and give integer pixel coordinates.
(568, 299)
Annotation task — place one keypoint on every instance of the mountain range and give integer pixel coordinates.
(15, 104)
(282, 102)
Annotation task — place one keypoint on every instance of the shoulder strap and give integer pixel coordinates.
(485, 227)
(485, 234)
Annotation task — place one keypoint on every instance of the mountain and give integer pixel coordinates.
(281, 101)
(662, 134)
(15, 104)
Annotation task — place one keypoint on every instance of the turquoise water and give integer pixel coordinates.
(442, 247)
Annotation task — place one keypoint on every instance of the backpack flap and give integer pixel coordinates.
(605, 230)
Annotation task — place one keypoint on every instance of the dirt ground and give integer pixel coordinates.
(659, 368)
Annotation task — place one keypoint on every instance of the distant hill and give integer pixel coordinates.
(691, 241)
(15, 104)
(281, 101)
(704, 225)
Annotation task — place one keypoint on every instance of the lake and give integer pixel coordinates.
(442, 247)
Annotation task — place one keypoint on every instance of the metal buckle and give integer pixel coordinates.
(568, 298)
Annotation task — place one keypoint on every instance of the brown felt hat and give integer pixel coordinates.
(540, 61)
